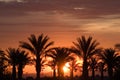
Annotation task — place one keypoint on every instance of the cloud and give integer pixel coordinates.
(60, 15)
(78, 8)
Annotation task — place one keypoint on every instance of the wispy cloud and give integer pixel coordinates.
(78, 8)
(69, 14)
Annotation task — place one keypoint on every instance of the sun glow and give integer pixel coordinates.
(66, 67)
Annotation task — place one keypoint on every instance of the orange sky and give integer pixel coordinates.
(62, 21)
(61, 28)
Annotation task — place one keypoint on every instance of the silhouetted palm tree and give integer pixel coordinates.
(101, 68)
(117, 74)
(52, 64)
(60, 55)
(117, 47)
(23, 59)
(85, 48)
(93, 66)
(37, 46)
(110, 57)
(2, 64)
(12, 55)
(74, 66)
(117, 71)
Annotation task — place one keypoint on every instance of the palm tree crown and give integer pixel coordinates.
(37, 45)
(111, 58)
(12, 57)
(23, 59)
(85, 47)
(60, 56)
(3, 64)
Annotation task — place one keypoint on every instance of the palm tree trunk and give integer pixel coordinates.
(20, 72)
(60, 72)
(54, 74)
(85, 70)
(71, 71)
(14, 72)
(110, 73)
(101, 68)
(93, 74)
(102, 76)
(38, 68)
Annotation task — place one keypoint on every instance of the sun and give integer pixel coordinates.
(66, 67)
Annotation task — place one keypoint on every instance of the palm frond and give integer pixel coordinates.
(33, 41)
(49, 44)
(27, 46)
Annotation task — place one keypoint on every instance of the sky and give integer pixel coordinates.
(62, 20)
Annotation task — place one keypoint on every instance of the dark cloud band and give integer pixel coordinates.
(79, 8)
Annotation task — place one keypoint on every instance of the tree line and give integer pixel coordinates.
(94, 58)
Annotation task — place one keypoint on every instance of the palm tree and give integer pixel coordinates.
(12, 55)
(117, 74)
(117, 70)
(60, 56)
(101, 66)
(37, 46)
(110, 57)
(2, 63)
(23, 59)
(52, 64)
(93, 66)
(73, 67)
(85, 48)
